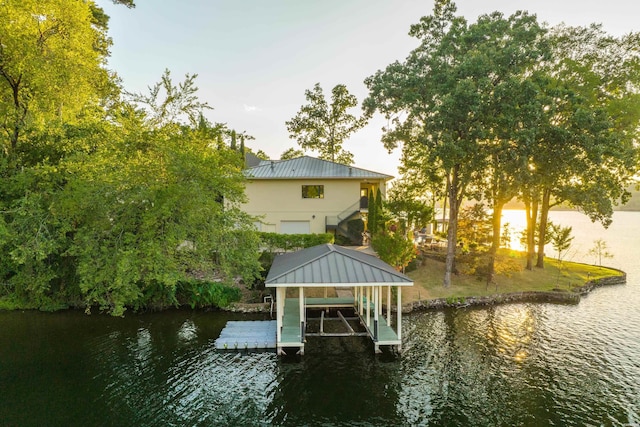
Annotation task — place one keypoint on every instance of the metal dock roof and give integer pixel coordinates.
(330, 265)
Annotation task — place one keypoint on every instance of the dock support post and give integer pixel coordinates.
(399, 323)
(280, 297)
(302, 312)
(389, 305)
(368, 306)
(376, 302)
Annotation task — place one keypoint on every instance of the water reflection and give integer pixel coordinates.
(337, 378)
(518, 364)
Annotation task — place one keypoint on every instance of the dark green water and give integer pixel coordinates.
(519, 364)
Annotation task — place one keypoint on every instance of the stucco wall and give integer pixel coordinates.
(281, 200)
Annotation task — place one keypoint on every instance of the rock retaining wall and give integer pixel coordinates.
(557, 297)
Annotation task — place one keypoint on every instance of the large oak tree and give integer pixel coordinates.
(325, 126)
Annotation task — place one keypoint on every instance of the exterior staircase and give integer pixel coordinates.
(340, 222)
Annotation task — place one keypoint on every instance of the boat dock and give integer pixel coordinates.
(365, 286)
(247, 335)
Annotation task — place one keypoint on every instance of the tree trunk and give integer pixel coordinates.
(531, 209)
(453, 226)
(444, 205)
(542, 231)
(495, 240)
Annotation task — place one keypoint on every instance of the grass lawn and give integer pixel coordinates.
(565, 276)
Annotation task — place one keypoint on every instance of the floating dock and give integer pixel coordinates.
(247, 335)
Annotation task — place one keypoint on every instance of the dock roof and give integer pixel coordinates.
(330, 265)
(306, 167)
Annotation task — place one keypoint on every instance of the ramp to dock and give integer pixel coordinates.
(247, 335)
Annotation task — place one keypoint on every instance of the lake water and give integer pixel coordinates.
(517, 364)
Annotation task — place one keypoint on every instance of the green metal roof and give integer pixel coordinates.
(308, 168)
(332, 265)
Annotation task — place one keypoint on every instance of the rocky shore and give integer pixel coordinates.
(556, 297)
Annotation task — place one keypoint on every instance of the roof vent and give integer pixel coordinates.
(272, 163)
(350, 171)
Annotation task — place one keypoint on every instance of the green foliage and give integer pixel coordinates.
(324, 127)
(560, 239)
(377, 216)
(406, 204)
(274, 242)
(200, 293)
(168, 103)
(394, 248)
(505, 236)
(114, 208)
(505, 107)
(600, 250)
(51, 58)
(474, 226)
(372, 215)
(291, 153)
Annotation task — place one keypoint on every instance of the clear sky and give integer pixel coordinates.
(255, 58)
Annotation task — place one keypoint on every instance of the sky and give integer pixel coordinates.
(256, 58)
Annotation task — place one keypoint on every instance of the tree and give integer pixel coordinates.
(600, 250)
(407, 201)
(439, 100)
(117, 209)
(148, 215)
(324, 127)
(474, 226)
(167, 103)
(560, 239)
(505, 236)
(51, 66)
(262, 155)
(394, 248)
(291, 153)
(372, 214)
(586, 153)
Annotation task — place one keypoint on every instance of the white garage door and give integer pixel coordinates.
(295, 227)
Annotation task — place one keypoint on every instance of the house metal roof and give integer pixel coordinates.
(309, 167)
(332, 265)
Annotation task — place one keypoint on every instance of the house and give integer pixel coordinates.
(309, 195)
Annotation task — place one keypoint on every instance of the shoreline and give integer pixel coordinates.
(551, 297)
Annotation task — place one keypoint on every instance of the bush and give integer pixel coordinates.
(289, 242)
(201, 293)
(355, 228)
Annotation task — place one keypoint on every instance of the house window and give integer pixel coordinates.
(313, 191)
